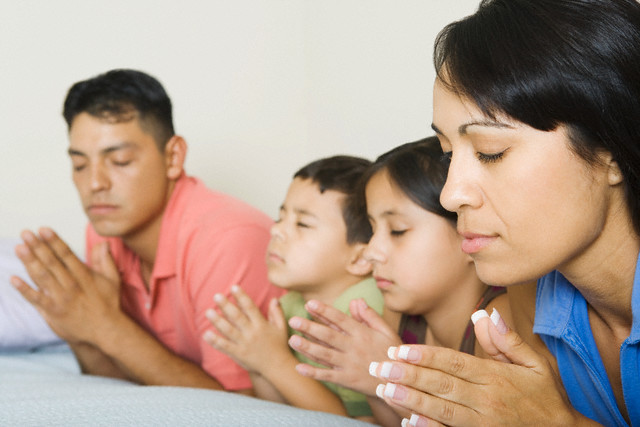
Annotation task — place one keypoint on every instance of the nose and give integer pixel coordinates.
(460, 189)
(374, 252)
(277, 230)
(99, 178)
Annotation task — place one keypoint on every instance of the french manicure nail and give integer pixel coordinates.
(479, 315)
(373, 366)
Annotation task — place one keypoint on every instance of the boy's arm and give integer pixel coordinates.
(260, 346)
(82, 305)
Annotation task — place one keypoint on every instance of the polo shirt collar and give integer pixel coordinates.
(554, 303)
(634, 337)
(167, 253)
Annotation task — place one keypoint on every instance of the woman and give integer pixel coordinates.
(536, 103)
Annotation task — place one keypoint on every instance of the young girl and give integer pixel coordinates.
(418, 266)
(536, 104)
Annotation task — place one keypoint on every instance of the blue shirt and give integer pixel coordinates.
(562, 321)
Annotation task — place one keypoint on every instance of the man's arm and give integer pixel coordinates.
(82, 306)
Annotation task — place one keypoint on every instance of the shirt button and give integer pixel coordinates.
(147, 305)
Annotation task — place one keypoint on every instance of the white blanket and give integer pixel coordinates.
(44, 388)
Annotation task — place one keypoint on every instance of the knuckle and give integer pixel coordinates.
(457, 363)
(445, 386)
(447, 412)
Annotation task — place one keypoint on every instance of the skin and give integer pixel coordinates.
(526, 205)
(308, 253)
(443, 290)
(112, 161)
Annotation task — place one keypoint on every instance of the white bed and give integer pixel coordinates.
(41, 383)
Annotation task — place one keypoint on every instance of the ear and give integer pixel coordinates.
(175, 152)
(358, 265)
(615, 176)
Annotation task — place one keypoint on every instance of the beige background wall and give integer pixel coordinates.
(260, 87)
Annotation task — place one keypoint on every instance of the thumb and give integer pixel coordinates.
(102, 262)
(511, 345)
(365, 314)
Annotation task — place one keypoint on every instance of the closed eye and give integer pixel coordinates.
(490, 158)
(397, 233)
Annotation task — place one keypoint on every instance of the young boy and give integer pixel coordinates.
(315, 253)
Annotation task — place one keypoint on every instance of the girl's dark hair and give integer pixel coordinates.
(343, 174)
(122, 95)
(548, 63)
(419, 170)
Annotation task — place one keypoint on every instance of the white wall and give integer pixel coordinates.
(259, 87)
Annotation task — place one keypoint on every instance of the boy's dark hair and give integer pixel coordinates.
(419, 170)
(548, 63)
(121, 95)
(343, 174)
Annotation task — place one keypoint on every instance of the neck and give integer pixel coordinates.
(448, 320)
(328, 292)
(144, 241)
(604, 272)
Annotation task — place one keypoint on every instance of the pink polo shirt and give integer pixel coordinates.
(208, 242)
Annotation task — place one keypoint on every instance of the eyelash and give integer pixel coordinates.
(483, 157)
(490, 158)
(398, 233)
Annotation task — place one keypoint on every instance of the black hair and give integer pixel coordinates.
(122, 95)
(343, 174)
(548, 63)
(419, 170)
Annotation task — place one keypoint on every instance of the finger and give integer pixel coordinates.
(322, 354)
(40, 275)
(218, 341)
(514, 348)
(246, 304)
(231, 312)
(276, 315)
(481, 323)
(220, 322)
(416, 420)
(431, 408)
(320, 333)
(318, 374)
(102, 262)
(369, 317)
(69, 268)
(37, 298)
(463, 384)
(445, 360)
(330, 316)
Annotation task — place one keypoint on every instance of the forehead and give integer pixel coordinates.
(89, 133)
(383, 195)
(304, 196)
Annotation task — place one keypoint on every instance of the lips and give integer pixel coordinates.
(274, 257)
(101, 209)
(382, 282)
(473, 243)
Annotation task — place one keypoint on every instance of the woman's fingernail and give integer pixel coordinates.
(390, 371)
(478, 315)
(235, 288)
(497, 320)
(404, 423)
(380, 391)
(408, 353)
(312, 304)
(391, 353)
(373, 367)
(413, 421)
(218, 298)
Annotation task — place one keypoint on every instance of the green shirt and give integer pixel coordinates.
(292, 305)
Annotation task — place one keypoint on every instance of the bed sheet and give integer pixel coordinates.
(45, 388)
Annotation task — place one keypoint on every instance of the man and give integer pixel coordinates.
(159, 245)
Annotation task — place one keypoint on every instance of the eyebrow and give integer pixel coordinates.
(462, 129)
(299, 211)
(111, 149)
